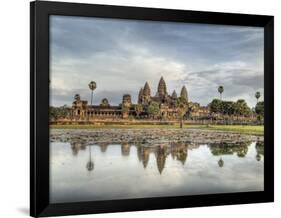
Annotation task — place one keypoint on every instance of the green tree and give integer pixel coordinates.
(258, 95)
(92, 87)
(220, 90)
(56, 113)
(64, 111)
(215, 106)
(153, 109)
(182, 107)
(241, 108)
(220, 162)
(260, 150)
(138, 109)
(90, 163)
(259, 109)
(227, 107)
(53, 113)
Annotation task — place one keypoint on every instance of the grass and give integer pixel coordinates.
(243, 129)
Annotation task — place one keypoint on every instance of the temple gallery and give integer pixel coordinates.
(162, 106)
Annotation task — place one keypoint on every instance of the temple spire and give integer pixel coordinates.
(162, 88)
(184, 93)
(174, 94)
(146, 90)
(140, 96)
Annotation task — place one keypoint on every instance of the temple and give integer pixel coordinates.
(178, 152)
(165, 103)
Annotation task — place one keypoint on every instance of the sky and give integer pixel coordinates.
(121, 55)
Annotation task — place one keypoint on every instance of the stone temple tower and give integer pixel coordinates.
(127, 101)
(184, 93)
(126, 104)
(146, 94)
(162, 88)
(140, 97)
(146, 90)
(174, 94)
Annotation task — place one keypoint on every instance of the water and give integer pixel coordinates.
(83, 172)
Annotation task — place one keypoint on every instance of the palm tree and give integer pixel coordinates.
(92, 86)
(258, 157)
(220, 90)
(182, 108)
(220, 162)
(258, 95)
(90, 164)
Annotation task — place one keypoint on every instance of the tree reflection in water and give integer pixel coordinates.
(259, 150)
(178, 151)
(220, 162)
(218, 149)
(90, 164)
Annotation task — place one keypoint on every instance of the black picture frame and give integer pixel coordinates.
(39, 104)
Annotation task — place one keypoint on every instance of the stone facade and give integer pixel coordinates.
(168, 110)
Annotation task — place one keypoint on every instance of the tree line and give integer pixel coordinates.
(59, 112)
(238, 108)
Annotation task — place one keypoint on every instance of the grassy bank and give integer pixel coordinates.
(251, 130)
(243, 129)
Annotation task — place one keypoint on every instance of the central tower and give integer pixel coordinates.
(162, 88)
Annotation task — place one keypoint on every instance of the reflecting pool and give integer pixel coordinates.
(83, 171)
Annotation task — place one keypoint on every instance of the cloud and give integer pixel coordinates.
(121, 55)
(238, 78)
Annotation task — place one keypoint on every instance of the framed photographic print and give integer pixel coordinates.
(144, 108)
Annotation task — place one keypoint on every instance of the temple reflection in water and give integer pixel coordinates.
(84, 170)
(177, 151)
